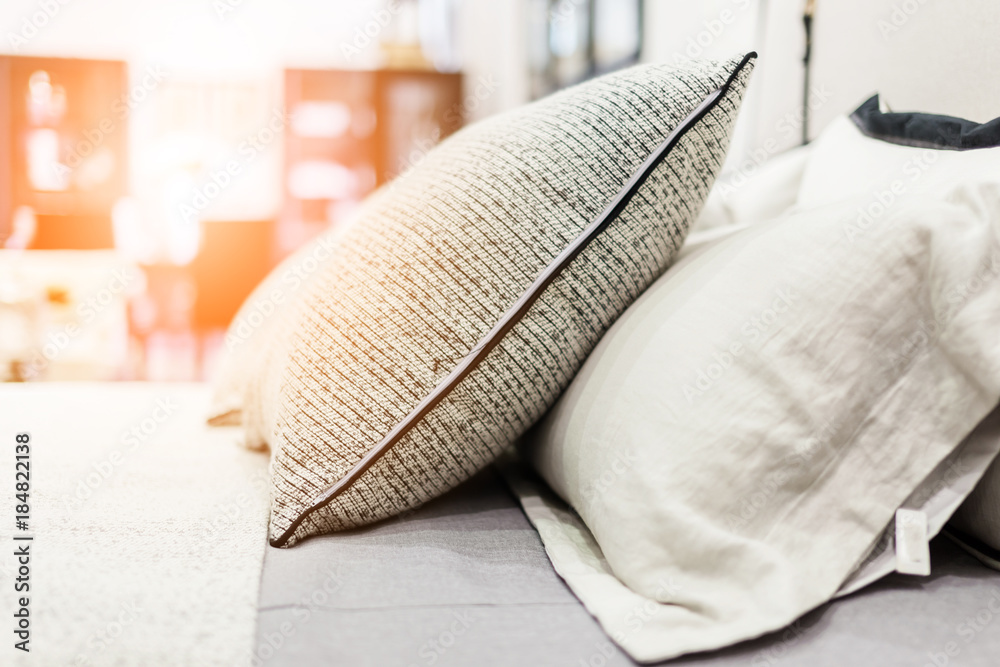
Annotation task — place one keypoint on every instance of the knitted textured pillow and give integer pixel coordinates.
(463, 301)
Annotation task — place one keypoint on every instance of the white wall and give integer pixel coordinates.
(207, 37)
(928, 55)
(243, 37)
(491, 36)
(713, 29)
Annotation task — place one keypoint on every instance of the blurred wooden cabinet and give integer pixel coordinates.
(64, 133)
(349, 132)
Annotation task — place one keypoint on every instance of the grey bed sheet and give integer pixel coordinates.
(465, 581)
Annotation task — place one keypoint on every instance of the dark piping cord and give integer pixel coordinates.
(807, 21)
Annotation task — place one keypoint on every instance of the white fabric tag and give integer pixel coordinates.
(913, 554)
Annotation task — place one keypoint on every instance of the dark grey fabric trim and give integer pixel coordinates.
(924, 130)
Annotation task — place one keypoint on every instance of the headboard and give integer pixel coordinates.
(938, 56)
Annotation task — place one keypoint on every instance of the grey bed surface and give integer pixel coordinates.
(465, 581)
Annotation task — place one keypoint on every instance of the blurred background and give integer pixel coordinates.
(157, 158)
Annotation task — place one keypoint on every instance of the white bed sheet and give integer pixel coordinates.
(149, 527)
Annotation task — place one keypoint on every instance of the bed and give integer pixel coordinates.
(148, 526)
(166, 563)
(466, 581)
(150, 529)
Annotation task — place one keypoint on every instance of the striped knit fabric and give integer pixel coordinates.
(439, 257)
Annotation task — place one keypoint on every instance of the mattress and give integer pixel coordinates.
(148, 527)
(465, 581)
(164, 562)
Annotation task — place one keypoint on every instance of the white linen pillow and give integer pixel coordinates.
(740, 439)
(883, 155)
(845, 163)
(634, 621)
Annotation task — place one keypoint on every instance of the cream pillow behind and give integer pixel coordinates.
(755, 192)
(844, 163)
(880, 156)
